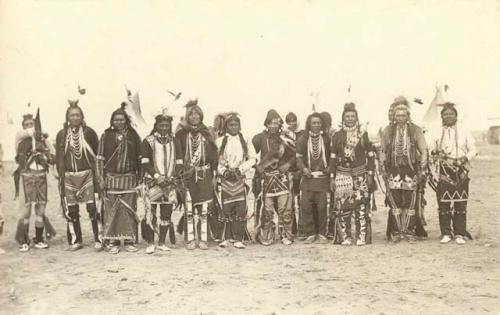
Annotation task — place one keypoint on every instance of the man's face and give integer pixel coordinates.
(163, 127)
(75, 117)
(233, 127)
(316, 125)
(274, 125)
(350, 119)
(401, 116)
(119, 122)
(449, 117)
(292, 125)
(30, 123)
(194, 118)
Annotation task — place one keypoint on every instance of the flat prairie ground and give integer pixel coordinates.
(382, 278)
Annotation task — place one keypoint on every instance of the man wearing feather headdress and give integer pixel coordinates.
(452, 148)
(34, 154)
(236, 157)
(276, 157)
(118, 169)
(352, 165)
(160, 167)
(313, 151)
(76, 148)
(198, 156)
(403, 161)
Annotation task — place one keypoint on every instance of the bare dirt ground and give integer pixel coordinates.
(420, 278)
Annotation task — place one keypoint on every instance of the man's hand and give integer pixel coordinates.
(179, 169)
(161, 179)
(259, 168)
(307, 172)
(462, 160)
(332, 185)
(102, 183)
(238, 173)
(422, 179)
(284, 168)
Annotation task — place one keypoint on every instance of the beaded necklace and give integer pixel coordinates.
(163, 139)
(75, 136)
(401, 145)
(352, 139)
(195, 148)
(315, 148)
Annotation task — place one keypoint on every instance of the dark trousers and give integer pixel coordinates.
(74, 232)
(453, 214)
(455, 219)
(313, 213)
(296, 204)
(165, 227)
(234, 220)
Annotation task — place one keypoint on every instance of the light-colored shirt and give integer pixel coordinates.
(455, 141)
(234, 155)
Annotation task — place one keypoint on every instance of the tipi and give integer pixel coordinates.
(432, 116)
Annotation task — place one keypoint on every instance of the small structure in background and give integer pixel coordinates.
(432, 115)
(493, 133)
(134, 111)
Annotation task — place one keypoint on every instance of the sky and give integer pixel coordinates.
(246, 56)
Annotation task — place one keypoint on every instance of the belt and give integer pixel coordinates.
(79, 172)
(352, 171)
(318, 174)
(119, 175)
(33, 172)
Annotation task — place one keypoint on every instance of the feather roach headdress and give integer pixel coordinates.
(27, 117)
(73, 104)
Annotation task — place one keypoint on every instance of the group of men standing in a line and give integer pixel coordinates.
(317, 182)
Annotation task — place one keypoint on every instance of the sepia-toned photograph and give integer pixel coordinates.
(249, 157)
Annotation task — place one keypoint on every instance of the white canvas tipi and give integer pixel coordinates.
(432, 115)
